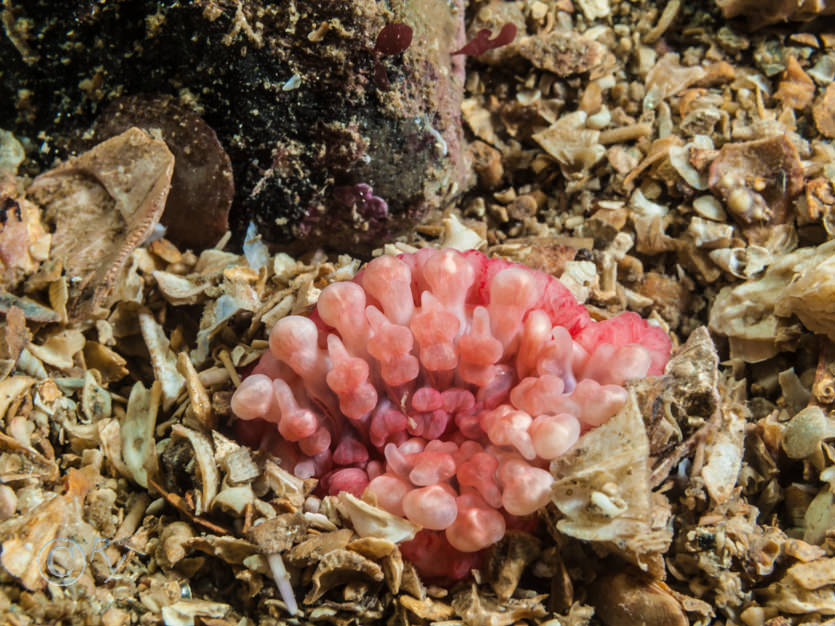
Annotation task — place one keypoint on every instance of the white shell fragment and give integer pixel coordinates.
(748, 313)
(574, 146)
(58, 350)
(204, 456)
(602, 488)
(459, 237)
(137, 432)
(184, 612)
(372, 521)
(724, 453)
(163, 359)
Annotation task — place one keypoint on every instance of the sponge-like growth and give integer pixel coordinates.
(442, 384)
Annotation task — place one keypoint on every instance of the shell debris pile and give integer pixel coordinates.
(655, 160)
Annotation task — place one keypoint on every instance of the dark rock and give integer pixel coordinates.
(288, 87)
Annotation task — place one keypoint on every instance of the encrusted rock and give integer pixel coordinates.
(298, 95)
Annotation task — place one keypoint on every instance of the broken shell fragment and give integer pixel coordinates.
(602, 489)
(24, 242)
(508, 559)
(799, 283)
(372, 521)
(103, 204)
(724, 452)
(171, 548)
(575, 147)
(339, 567)
(563, 52)
(204, 458)
(202, 184)
(630, 598)
(757, 180)
(805, 432)
(772, 11)
(137, 433)
(824, 112)
(810, 294)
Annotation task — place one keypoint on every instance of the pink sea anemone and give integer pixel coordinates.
(442, 384)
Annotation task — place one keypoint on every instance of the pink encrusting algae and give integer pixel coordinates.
(442, 384)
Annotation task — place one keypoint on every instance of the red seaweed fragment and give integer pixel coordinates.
(481, 43)
(393, 39)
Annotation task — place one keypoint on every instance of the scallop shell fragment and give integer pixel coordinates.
(602, 489)
(801, 283)
(104, 203)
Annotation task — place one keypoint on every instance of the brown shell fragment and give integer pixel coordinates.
(679, 404)
(24, 538)
(508, 559)
(24, 242)
(629, 598)
(760, 13)
(171, 548)
(475, 608)
(427, 608)
(313, 549)
(279, 533)
(824, 112)
(202, 187)
(668, 77)
(796, 90)
(230, 550)
(562, 52)
(340, 567)
(103, 204)
(757, 180)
